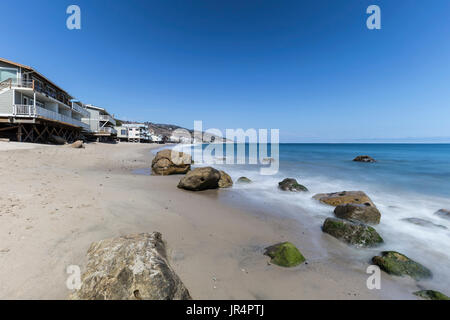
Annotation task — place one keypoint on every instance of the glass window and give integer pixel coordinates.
(7, 73)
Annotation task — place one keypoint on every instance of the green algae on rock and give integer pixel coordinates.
(352, 232)
(431, 295)
(398, 264)
(285, 255)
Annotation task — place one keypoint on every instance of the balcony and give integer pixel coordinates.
(31, 111)
(107, 118)
(107, 130)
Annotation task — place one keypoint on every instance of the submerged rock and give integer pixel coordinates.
(132, 267)
(423, 223)
(352, 232)
(225, 180)
(431, 295)
(358, 212)
(364, 159)
(290, 184)
(398, 264)
(77, 144)
(244, 180)
(344, 197)
(285, 255)
(443, 213)
(200, 179)
(167, 162)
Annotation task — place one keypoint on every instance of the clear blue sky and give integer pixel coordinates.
(310, 68)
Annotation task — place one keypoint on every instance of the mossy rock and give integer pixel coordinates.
(244, 180)
(398, 264)
(290, 184)
(431, 295)
(285, 255)
(352, 232)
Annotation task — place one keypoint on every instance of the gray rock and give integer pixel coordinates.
(443, 213)
(200, 179)
(290, 184)
(423, 223)
(364, 159)
(132, 267)
(358, 212)
(352, 232)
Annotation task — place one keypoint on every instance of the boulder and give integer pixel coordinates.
(398, 264)
(225, 180)
(364, 159)
(424, 223)
(352, 232)
(77, 144)
(167, 162)
(132, 267)
(344, 197)
(443, 213)
(285, 255)
(200, 179)
(290, 184)
(358, 212)
(57, 139)
(244, 180)
(431, 295)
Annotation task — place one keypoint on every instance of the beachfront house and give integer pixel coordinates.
(35, 109)
(101, 124)
(133, 132)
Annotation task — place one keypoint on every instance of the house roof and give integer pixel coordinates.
(34, 70)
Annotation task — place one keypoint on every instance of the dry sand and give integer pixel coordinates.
(55, 201)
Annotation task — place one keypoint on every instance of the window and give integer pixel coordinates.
(8, 73)
(123, 132)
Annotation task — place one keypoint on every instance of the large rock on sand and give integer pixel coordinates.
(364, 159)
(443, 213)
(352, 232)
(225, 180)
(290, 184)
(358, 212)
(167, 162)
(344, 197)
(431, 295)
(285, 255)
(132, 267)
(200, 179)
(77, 144)
(398, 264)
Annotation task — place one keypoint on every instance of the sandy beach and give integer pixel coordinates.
(55, 201)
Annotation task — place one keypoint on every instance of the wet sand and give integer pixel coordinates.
(55, 201)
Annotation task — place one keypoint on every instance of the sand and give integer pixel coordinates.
(55, 201)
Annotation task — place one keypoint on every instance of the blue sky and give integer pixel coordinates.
(309, 68)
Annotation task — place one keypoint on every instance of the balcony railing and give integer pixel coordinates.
(39, 112)
(107, 130)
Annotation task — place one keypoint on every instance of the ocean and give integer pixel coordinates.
(407, 181)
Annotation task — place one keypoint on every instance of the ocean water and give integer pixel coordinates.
(407, 181)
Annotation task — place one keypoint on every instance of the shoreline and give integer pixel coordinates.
(60, 200)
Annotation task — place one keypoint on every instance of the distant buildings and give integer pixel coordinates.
(135, 132)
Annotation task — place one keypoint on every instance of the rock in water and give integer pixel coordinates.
(244, 180)
(77, 144)
(364, 159)
(431, 295)
(200, 179)
(424, 223)
(443, 213)
(225, 180)
(132, 267)
(344, 197)
(167, 162)
(285, 255)
(358, 212)
(352, 232)
(400, 265)
(290, 184)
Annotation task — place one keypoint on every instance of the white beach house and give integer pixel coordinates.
(101, 123)
(133, 132)
(35, 109)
